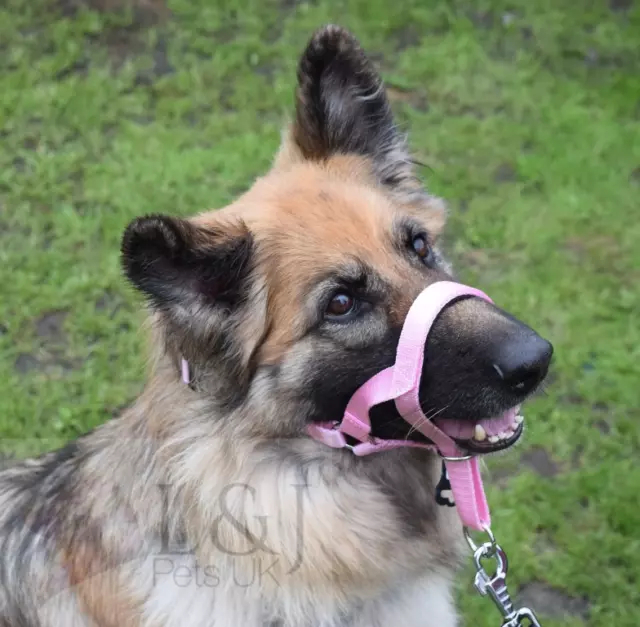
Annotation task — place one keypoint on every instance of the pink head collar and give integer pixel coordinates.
(401, 383)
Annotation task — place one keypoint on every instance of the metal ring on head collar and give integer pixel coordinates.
(464, 458)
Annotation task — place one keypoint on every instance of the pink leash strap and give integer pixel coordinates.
(402, 382)
(468, 492)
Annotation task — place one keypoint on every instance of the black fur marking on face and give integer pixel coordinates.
(335, 375)
(388, 424)
(177, 263)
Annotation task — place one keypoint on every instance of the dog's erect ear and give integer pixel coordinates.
(176, 263)
(342, 107)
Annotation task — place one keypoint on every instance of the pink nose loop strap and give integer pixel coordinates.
(401, 383)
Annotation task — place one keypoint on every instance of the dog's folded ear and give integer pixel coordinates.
(342, 107)
(175, 262)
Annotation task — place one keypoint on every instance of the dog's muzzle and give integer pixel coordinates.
(401, 383)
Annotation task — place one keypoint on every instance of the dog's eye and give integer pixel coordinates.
(422, 248)
(341, 304)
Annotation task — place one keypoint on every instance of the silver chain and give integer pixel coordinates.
(495, 586)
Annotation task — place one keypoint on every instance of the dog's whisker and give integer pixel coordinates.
(426, 418)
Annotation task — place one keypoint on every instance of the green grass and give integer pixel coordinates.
(528, 116)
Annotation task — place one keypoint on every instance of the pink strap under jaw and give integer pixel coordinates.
(402, 382)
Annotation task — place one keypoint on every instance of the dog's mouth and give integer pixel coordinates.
(476, 436)
(485, 436)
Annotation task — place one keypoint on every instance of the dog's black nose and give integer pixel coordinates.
(522, 362)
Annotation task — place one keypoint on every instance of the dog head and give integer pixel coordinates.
(294, 295)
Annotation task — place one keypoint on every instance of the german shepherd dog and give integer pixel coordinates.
(206, 504)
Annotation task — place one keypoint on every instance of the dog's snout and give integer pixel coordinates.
(481, 361)
(522, 362)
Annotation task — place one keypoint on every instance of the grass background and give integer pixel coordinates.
(527, 114)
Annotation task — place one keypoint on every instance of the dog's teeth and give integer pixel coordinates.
(514, 425)
(519, 419)
(508, 433)
(493, 439)
(479, 434)
(502, 435)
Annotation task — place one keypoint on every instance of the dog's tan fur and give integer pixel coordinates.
(211, 507)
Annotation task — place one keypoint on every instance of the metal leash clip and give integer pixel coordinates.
(495, 587)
